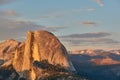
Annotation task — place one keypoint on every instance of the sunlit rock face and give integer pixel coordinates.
(42, 45)
(39, 45)
(17, 61)
(7, 49)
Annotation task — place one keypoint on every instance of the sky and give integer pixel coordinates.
(79, 24)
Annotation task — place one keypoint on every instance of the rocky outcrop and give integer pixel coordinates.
(39, 45)
(17, 61)
(7, 49)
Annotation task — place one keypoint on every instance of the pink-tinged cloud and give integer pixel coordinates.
(8, 13)
(11, 13)
(89, 23)
(100, 2)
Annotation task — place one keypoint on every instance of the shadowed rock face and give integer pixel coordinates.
(39, 45)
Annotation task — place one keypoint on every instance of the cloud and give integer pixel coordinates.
(100, 2)
(5, 1)
(89, 23)
(47, 16)
(54, 28)
(8, 13)
(17, 29)
(91, 9)
(88, 35)
(105, 40)
(13, 29)
(91, 41)
(54, 15)
(51, 16)
(66, 13)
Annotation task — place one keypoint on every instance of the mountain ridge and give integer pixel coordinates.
(95, 51)
(39, 46)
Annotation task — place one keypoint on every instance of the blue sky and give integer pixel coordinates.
(79, 24)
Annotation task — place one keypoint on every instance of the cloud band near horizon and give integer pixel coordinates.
(88, 35)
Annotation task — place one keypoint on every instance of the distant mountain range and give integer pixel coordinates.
(97, 64)
(95, 52)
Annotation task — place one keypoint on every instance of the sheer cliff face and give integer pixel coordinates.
(42, 45)
(39, 45)
(47, 46)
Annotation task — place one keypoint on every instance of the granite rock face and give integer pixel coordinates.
(39, 45)
(7, 49)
